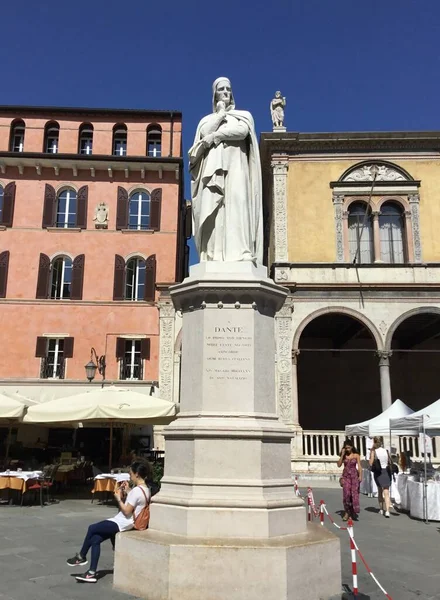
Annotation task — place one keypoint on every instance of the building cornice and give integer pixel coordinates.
(91, 163)
(19, 110)
(293, 143)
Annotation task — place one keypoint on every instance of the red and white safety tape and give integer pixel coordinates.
(374, 578)
(353, 549)
(314, 511)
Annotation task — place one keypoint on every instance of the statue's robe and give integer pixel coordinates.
(226, 191)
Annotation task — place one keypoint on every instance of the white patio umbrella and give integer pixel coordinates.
(104, 404)
(12, 408)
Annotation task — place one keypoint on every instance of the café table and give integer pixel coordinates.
(20, 481)
(106, 482)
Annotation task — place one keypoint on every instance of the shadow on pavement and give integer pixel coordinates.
(348, 594)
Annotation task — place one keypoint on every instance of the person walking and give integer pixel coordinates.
(350, 480)
(137, 500)
(380, 463)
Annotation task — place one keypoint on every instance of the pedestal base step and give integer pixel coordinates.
(161, 566)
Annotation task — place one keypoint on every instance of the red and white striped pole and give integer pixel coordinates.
(310, 502)
(321, 513)
(353, 557)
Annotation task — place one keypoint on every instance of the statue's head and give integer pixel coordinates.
(277, 94)
(222, 90)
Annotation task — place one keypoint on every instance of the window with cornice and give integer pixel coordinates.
(376, 208)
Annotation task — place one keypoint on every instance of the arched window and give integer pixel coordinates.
(135, 273)
(51, 137)
(61, 281)
(392, 233)
(66, 209)
(360, 233)
(139, 210)
(120, 140)
(85, 144)
(135, 279)
(16, 142)
(154, 140)
(1, 204)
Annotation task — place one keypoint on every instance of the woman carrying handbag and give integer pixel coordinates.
(134, 513)
(380, 464)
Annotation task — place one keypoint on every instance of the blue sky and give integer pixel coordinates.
(344, 65)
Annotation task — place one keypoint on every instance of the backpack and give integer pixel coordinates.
(143, 519)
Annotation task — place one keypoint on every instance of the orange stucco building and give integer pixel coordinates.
(92, 229)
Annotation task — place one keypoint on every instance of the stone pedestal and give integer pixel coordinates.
(227, 523)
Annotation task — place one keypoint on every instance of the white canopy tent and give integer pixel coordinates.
(426, 420)
(104, 404)
(380, 425)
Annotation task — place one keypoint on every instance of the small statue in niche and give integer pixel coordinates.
(101, 216)
(277, 105)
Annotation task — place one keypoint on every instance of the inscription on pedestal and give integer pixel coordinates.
(228, 355)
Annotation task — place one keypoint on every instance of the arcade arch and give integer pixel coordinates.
(337, 370)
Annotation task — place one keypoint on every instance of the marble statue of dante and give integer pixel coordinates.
(226, 193)
(277, 105)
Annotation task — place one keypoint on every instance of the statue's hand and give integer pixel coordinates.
(208, 140)
(220, 106)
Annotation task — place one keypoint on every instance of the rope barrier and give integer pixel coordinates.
(313, 511)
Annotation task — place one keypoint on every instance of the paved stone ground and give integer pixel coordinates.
(35, 542)
(402, 552)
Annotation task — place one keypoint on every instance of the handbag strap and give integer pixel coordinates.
(145, 495)
(389, 459)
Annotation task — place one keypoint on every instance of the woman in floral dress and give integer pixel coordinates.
(350, 480)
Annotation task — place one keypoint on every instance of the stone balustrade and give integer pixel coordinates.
(317, 451)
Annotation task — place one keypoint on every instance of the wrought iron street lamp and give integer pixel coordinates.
(95, 363)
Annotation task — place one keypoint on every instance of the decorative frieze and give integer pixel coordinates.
(367, 173)
(166, 351)
(414, 202)
(280, 169)
(338, 202)
(283, 336)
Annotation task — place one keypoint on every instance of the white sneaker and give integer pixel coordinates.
(381, 512)
(387, 514)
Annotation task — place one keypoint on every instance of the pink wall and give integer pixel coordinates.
(88, 324)
(96, 320)
(102, 134)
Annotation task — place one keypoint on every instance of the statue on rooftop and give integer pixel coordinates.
(277, 105)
